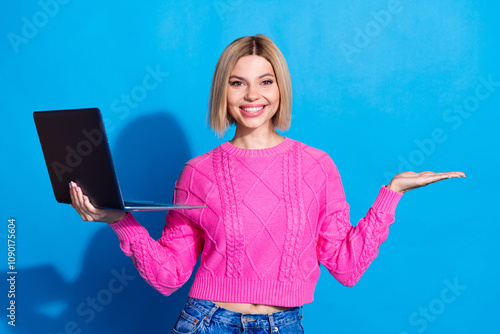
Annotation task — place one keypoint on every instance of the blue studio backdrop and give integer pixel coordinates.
(383, 86)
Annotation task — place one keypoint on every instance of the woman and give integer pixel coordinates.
(275, 209)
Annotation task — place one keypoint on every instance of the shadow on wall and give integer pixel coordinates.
(110, 296)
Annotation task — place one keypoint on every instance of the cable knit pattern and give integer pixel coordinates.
(271, 217)
(224, 168)
(294, 213)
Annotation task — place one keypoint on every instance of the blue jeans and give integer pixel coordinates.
(203, 316)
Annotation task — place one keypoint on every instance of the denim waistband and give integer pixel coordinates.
(214, 311)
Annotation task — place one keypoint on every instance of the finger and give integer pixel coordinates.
(72, 193)
(85, 208)
(436, 177)
(78, 196)
(74, 196)
(452, 174)
(92, 213)
(91, 210)
(441, 173)
(75, 201)
(457, 174)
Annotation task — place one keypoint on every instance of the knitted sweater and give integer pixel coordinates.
(271, 217)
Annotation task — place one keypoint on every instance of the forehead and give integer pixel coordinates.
(252, 66)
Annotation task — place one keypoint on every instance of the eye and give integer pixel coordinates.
(236, 83)
(267, 82)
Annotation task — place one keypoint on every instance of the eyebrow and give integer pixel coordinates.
(260, 77)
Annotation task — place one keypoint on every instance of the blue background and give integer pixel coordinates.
(378, 85)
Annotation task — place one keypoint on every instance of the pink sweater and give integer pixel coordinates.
(271, 217)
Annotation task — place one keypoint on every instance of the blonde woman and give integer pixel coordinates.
(275, 209)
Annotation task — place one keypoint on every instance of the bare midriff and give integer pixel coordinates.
(250, 308)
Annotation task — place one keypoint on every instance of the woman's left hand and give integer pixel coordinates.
(405, 181)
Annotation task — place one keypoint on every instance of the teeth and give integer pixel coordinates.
(252, 110)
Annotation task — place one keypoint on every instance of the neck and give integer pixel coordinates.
(256, 139)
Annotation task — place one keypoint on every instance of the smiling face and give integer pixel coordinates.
(252, 95)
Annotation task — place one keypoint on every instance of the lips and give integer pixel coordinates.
(253, 110)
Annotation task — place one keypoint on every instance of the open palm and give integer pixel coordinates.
(405, 181)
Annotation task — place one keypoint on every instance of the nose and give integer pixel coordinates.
(252, 93)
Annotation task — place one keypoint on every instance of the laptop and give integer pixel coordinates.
(76, 148)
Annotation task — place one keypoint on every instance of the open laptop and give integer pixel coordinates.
(76, 148)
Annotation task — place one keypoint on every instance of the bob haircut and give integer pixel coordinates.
(260, 45)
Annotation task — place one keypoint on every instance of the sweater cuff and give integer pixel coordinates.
(127, 228)
(387, 200)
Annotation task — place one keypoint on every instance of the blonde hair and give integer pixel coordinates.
(260, 45)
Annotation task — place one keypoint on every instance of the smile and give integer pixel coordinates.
(253, 109)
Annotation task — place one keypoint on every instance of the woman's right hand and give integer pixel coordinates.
(88, 212)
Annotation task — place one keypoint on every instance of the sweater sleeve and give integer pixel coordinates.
(166, 263)
(346, 250)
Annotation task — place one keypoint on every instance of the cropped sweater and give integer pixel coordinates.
(271, 217)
